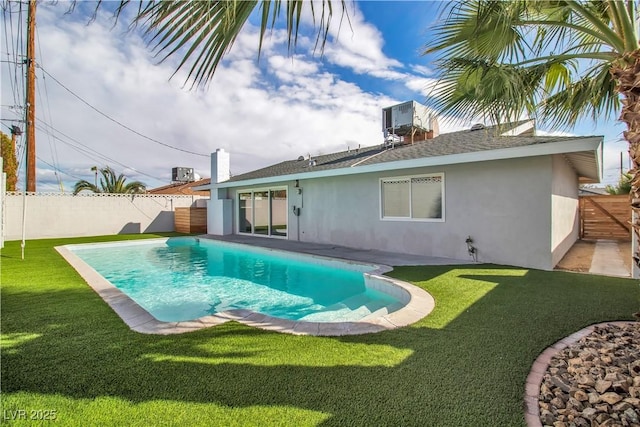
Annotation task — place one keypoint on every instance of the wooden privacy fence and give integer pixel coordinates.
(605, 217)
(191, 220)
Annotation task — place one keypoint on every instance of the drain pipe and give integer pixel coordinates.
(473, 251)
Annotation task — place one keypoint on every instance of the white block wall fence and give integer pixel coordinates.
(51, 215)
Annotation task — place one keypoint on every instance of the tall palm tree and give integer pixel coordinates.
(555, 60)
(109, 183)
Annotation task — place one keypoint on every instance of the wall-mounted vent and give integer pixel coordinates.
(182, 175)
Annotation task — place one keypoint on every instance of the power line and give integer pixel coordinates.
(56, 168)
(52, 144)
(12, 56)
(119, 123)
(90, 152)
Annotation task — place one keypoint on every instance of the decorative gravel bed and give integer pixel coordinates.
(594, 382)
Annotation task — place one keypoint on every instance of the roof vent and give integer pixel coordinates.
(301, 158)
(477, 126)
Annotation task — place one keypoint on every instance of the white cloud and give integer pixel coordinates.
(358, 45)
(427, 87)
(288, 69)
(351, 42)
(421, 69)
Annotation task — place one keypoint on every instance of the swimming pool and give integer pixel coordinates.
(189, 279)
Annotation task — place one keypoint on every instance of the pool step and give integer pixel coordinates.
(384, 311)
(359, 300)
(356, 307)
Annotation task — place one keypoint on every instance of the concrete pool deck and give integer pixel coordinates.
(419, 303)
(367, 256)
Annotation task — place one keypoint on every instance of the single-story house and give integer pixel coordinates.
(512, 193)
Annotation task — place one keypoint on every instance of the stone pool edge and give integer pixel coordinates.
(420, 304)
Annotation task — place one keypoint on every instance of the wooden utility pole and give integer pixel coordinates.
(31, 97)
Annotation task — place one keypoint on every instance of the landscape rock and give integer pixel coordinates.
(602, 385)
(594, 382)
(589, 413)
(580, 396)
(631, 415)
(547, 418)
(611, 397)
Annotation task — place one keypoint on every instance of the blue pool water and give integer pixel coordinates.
(185, 278)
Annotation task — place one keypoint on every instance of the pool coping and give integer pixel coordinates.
(419, 305)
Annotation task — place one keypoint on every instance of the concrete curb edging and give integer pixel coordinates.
(541, 364)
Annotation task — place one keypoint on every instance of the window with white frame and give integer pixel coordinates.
(417, 197)
(263, 211)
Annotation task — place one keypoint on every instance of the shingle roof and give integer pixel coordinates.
(183, 188)
(466, 141)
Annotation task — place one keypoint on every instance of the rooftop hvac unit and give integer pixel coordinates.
(402, 118)
(182, 175)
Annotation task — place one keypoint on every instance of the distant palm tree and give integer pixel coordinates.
(623, 187)
(109, 183)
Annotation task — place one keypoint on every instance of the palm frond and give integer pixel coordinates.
(480, 29)
(481, 88)
(83, 185)
(555, 65)
(594, 96)
(201, 33)
(135, 187)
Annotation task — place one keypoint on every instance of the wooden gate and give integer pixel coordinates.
(605, 217)
(191, 220)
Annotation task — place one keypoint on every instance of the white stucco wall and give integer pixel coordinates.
(504, 205)
(65, 215)
(565, 216)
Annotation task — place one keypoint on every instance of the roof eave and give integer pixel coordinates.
(203, 187)
(588, 144)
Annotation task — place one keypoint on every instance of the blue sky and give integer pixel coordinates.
(262, 112)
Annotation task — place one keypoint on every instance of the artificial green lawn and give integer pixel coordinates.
(465, 364)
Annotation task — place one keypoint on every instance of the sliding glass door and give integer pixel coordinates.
(279, 209)
(245, 213)
(263, 212)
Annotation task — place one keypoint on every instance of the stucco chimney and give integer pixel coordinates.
(219, 166)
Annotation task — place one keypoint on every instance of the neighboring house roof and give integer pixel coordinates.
(490, 143)
(183, 188)
(590, 191)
